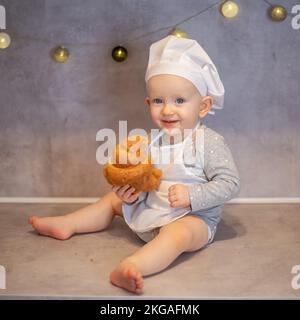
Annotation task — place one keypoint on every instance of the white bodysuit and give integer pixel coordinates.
(152, 210)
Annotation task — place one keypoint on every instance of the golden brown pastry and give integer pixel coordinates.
(142, 176)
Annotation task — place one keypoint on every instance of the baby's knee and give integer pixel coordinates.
(180, 234)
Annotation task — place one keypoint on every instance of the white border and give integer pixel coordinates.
(253, 200)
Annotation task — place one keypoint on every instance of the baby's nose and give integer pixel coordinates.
(167, 109)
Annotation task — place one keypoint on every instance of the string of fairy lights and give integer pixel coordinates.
(61, 53)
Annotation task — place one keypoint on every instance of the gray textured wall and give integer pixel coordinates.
(50, 112)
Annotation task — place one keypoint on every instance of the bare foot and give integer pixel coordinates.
(127, 277)
(56, 227)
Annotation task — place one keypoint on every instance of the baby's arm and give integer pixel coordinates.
(220, 170)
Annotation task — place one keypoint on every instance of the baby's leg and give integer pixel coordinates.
(94, 217)
(186, 234)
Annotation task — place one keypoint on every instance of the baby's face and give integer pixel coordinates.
(175, 103)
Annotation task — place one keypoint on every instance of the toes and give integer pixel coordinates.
(132, 284)
(132, 273)
(128, 274)
(139, 290)
(139, 287)
(137, 276)
(127, 278)
(137, 280)
(139, 283)
(130, 279)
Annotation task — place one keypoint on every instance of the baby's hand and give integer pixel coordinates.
(179, 196)
(126, 193)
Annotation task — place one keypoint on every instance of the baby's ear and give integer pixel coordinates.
(206, 105)
(147, 101)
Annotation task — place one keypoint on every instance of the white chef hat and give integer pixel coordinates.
(186, 58)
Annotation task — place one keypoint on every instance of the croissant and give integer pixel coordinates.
(142, 176)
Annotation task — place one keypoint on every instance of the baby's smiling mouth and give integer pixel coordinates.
(169, 123)
(169, 120)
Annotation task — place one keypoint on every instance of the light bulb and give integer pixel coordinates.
(229, 9)
(179, 33)
(277, 13)
(4, 40)
(60, 54)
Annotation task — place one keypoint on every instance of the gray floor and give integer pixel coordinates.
(255, 248)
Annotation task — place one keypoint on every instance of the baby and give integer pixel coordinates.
(182, 215)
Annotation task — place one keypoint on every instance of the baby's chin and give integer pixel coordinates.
(175, 130)
(172, 131)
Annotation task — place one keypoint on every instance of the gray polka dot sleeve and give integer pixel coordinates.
(223, 182)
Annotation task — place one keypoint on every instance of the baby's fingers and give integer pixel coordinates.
(128, 193)
(133, 197)
(119, 189)
(115, 188)
(122, 190)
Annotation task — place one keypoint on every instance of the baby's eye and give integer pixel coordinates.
(179, 100)
(157, 101)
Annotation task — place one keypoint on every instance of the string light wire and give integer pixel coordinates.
(173, 25)
(128, 40)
